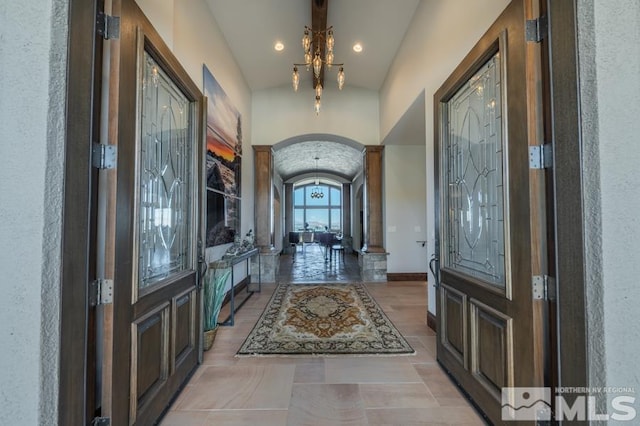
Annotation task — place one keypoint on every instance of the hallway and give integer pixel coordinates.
(398, 390)
(310, 264)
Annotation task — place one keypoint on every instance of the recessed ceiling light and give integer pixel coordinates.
(357, 48)
(279, 46)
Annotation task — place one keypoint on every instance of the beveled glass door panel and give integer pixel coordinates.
(473, 173)
(165, 178)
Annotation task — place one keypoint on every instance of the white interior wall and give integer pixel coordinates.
(33, 54)
(160, 13)
(405, 208)
(609, 67)
(433, 46)
(281, 113)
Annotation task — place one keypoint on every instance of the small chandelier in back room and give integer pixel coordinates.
(320, 41)
(316, 192)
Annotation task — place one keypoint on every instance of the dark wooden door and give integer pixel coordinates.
(152, 331)
(491, 327)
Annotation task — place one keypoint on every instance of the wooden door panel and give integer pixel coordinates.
(184, 327)
(491, 343)
(149, 356)
(454, 326)
(475, 289)
(163, 294)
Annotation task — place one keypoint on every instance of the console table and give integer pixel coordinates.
(229, 262)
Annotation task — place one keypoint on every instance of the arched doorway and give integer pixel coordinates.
(315, 174)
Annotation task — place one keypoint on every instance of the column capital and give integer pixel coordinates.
(373, 148)
(263, 148)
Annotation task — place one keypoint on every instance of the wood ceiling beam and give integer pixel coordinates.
(318, 25)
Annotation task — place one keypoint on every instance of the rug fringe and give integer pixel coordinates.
(258, 355)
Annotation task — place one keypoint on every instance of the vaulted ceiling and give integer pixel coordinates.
(252, 28)
(342, 160)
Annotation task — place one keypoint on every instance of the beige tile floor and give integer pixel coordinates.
(337, 390)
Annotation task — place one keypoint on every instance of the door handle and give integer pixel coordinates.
(434, 267)
(202, 265)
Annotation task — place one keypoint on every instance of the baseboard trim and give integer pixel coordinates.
(431, 321)
(406, 276)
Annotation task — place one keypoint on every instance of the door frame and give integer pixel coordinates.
(568, 195)
(76, 395)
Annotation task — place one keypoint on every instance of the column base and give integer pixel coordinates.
(373, 266)
(269, 266)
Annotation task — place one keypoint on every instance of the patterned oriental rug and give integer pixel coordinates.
(304, 319)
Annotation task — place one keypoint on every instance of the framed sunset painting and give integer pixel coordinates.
(223, 164)
(222, 116)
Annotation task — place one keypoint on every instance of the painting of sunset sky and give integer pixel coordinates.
(222, 117)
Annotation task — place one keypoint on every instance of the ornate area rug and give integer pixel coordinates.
(322, 319)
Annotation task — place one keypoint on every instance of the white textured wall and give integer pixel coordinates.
(160, 13)
(281, 113)
(405, 208)
(32, 93)
(609, 43)
(440, 35)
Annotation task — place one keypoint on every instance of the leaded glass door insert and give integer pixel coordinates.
(165, 189)
(473, 173)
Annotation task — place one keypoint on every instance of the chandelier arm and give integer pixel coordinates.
(335, 64)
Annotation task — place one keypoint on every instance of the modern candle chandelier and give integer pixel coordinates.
(318, 41)
(317, 192)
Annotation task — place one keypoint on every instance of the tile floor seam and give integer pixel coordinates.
(404, 403)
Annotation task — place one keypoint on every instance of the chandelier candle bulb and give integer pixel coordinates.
(295, 79)
(330, 40)
(341, 78)
(317, 65)
(306, 42)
